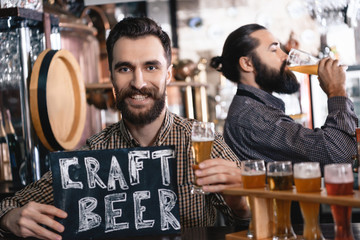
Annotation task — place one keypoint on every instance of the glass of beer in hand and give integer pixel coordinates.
(307, 177)
(202, 137)
(339, 180)
(253, 174)
(280, 177)
(303, 62)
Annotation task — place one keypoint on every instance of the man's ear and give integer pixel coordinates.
(246, 64)
(113, 88)
(169, 74)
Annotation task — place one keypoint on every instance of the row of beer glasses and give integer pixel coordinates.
(307, 177)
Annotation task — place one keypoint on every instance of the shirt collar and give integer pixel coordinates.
(266, 97)
(161, 137)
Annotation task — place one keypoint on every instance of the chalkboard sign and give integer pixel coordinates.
(116, 193)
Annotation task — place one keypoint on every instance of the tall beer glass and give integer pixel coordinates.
(303, 62)
(253, 176)
(339, 180)
(202, 137)
(280, 177)
(307, 177)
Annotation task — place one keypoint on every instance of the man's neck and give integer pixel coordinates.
(248, 78)
(146, 134)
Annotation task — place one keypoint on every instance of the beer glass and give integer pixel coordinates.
(303, 62)
(202, 137)
(253, 176)
(280, 177)
(307, 177)
(339, 180)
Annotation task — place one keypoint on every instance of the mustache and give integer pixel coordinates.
(282, 68)
(129, 92)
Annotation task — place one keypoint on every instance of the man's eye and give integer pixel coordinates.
(151, 68)
(124, 69)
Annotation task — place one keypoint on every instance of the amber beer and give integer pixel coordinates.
(253, 180)
(339, 180)
(202, 149)
(303, 62)
(307, 177)
(252, 176)
(253, 173)
(202, 137)
(281, 178)
(308, 69)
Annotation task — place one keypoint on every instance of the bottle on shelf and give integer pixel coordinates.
(14, 148)
(5, 169)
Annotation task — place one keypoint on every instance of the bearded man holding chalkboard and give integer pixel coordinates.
(139, 54)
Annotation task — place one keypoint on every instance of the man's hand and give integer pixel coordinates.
(27, 220)
(332, 77)
(214, 175)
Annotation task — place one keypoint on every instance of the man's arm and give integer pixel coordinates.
(220, 172)
(30, 207)
(27, 221)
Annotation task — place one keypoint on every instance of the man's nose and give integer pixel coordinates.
(138, 80)
(284, 56)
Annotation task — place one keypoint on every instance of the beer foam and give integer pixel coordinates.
(307, 170)
(253, 173)
(201, 139)
(338, 173)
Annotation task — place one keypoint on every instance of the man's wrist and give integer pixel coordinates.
(337, 93)
(3, 222)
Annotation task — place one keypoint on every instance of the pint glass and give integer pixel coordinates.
(253, 176)
(280, 177)
(303, 62)
(339, 180)
(202, 137)
(307, 177)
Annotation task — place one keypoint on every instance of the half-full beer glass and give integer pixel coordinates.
(339, 180)
(303, 62)
(280, 177)
(307, 177)
(253, 174)
(202, 137)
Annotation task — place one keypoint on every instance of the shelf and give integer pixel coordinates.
(28, 14)
(320, 197)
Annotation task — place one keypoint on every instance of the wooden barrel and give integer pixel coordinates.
(57, 100)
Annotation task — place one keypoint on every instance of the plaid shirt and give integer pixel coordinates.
(258, 128)
(195, 210)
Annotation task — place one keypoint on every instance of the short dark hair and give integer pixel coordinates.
(135, 27)
(238, 44)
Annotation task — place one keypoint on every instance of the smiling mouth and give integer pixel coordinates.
(139, 97)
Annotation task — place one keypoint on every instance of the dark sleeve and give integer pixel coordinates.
(271, 135)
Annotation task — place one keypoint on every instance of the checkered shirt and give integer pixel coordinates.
(195, 210)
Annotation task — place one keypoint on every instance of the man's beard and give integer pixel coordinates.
(272, 80)
(141, 118)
